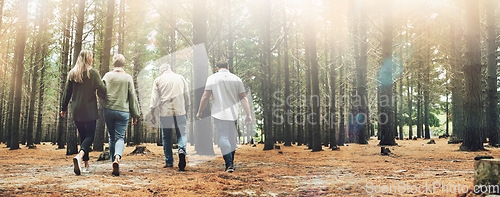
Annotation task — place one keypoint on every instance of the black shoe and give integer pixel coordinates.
(230, 169)
(116, 169)
(168, 166)
(182, 160)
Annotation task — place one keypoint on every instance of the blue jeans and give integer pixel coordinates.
(227, 139)
(117, 122)
(168, 124)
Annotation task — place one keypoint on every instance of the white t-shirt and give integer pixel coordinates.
(225, 88)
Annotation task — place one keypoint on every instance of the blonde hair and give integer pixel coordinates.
(83, 63)
(119, 60)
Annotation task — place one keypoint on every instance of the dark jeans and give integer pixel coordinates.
(169, 124)
(86, 130)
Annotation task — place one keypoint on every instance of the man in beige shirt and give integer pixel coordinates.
(171, 97)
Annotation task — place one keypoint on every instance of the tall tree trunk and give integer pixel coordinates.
(61, 124)
(121, 29)
(447, 103)
(266, 66)
(3, 111)
(427, 83)
(492, 100)
(10, 103)
(19, 62)
(308, 107)
(2, 118)
(300, 120)
(203, 128)
(138, 127)
(39, 127)
(472, 72)
(288, 129)
(362, 112)
(419, 106)
(333, 64)
(341, 140)
(71, 137)
(385, 119)
(311, 55)
(34, 76)
(108, 38)
(457, 84)
(410, 108)
(410, 94)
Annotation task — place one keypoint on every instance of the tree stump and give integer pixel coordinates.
(487, 174)
(454, 140)
(104, 155)
(140, 150)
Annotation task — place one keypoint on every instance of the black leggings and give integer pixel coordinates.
(86, 129)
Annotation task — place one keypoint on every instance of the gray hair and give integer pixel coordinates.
(165, 67)
(119, 60)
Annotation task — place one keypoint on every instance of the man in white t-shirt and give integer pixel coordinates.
(227, 90)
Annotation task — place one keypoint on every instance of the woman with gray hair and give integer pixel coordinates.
(121, 103)
(81, 86)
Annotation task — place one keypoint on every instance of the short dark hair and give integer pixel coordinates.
(221, 64)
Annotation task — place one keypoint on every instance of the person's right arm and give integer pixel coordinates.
(204, 102)
(68, 92)
(101, 87)
(154, 101)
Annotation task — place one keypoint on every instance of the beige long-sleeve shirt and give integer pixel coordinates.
(170, 94)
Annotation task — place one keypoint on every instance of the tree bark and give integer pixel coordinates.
(472, 72)
(121, 28)
(266, 66)
(427, 83)
(288, 128)
(311, 54)
(457, 85)
(342, 81)
(492, 98)
(419, 105)
(410, 108)
(106, 56)
(34, 77)
(71, 137)
(203, 128)
(385, 119)
(38, 135)
(333, 92)
(19, 62)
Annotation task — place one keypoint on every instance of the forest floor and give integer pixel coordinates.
(290, 171)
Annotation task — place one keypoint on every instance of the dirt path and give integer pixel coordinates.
(354, 170)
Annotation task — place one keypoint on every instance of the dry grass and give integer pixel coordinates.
(295, 171)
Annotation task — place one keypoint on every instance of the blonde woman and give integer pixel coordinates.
(121, 105)
(81, 86)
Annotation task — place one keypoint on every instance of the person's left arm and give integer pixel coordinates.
(133, 101)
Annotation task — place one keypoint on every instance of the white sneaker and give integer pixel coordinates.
(77, 162)
(86, 170)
